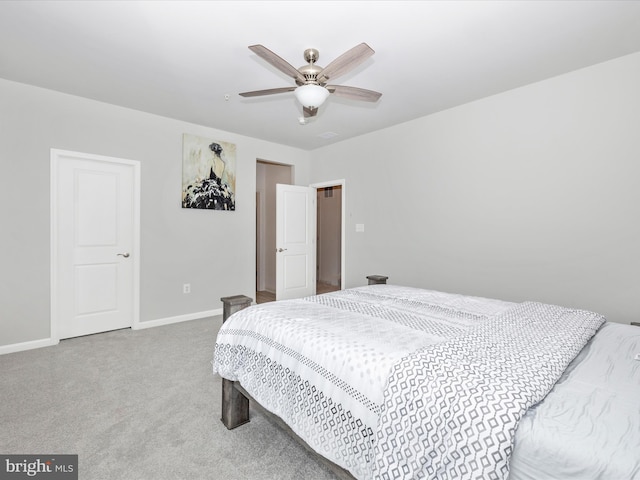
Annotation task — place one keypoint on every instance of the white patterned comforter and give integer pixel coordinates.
(463, 399)
(323, 365)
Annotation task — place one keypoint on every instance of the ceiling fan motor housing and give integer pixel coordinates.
(311, 70)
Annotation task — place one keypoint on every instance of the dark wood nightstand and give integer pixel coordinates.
(377, 279)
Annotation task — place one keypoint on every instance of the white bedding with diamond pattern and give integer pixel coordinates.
(322, 363)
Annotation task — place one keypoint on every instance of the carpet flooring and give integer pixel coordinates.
(140, 405)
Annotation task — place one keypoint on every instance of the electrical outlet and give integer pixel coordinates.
(186, 288)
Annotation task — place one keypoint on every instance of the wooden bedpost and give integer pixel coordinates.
(377, 279)
(235, 406)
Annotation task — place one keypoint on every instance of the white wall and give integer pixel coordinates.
(533, 194)
(212, 250)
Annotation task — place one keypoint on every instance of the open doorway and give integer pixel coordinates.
(268, 175)
(330, 237)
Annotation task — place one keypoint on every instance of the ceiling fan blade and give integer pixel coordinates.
(345, 62)
(354, 93)
(309, 112)
(278, 62)
(270, 91)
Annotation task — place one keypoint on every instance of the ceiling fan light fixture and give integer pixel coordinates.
(311, 95)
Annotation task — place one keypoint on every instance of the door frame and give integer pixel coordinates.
(56, 154)
(342, 183)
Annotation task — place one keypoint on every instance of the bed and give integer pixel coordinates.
(394, 382)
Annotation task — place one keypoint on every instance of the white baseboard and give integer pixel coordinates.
(48, 342)
(179, 318)
(20, 347)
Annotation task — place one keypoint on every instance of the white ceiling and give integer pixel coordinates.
(180, 59)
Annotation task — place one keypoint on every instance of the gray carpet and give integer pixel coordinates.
(139, 405)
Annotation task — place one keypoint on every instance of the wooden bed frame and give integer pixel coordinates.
(235, 399)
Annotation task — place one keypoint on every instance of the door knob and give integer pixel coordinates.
(280, 249)
(125, 255)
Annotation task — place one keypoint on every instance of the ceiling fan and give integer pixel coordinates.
(311, 88)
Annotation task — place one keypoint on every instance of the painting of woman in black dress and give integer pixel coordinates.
(208, 174)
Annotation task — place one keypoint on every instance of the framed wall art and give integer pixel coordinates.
(208, 173)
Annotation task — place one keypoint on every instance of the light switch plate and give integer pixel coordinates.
(359, 227)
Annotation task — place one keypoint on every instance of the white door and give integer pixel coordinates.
(295, 241)
(94, 233)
